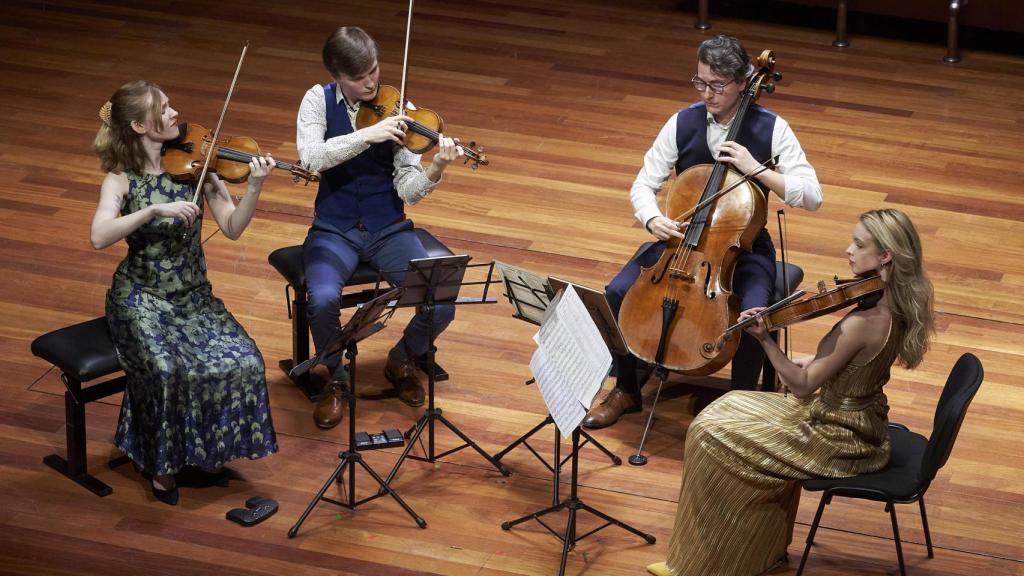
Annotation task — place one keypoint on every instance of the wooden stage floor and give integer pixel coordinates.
(566, 96)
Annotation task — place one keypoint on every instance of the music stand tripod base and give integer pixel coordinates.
(574, 504)
(367, 320)
(524, 441)
(432, 281)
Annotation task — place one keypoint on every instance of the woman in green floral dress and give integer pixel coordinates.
(196, 393)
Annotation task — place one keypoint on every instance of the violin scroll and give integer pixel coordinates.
(474, 153)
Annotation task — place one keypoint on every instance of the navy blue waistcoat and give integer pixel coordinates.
(361, 189)
(692, 137)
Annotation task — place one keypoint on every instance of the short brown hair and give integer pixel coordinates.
(349, 50)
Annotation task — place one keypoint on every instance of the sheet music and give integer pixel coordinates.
(601, 313)
(528, 292)
(571, 361)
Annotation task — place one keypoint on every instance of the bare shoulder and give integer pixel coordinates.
(115, 182)
(869, 327)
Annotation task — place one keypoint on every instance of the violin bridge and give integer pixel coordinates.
(821, 287)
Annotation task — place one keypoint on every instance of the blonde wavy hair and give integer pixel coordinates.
(118, 146)
(910, 293)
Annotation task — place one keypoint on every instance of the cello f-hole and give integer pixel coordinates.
(710, 294)
(669, 264)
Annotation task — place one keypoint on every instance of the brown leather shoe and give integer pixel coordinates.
(330, 407)
(401, 372)
(615, 404)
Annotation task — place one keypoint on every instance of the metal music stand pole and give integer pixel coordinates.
(368, 319)
(428, 282)
(574, 504)
(530, 304)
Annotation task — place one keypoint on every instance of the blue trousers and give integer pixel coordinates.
(753, 281)
(330, 257)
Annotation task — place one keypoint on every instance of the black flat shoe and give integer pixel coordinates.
(169, 497)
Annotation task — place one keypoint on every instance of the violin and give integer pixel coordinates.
(795, 308)
(424, 129)
(674, 314)
(183, 157)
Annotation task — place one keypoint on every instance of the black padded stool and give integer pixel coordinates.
(82, 352)
(288, 262)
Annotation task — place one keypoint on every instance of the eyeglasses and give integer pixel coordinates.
(701, 86)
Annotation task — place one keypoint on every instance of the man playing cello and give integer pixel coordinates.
(696, 135)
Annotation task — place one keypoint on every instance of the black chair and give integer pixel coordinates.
(914, 463)
(288, 262)
(82, 352)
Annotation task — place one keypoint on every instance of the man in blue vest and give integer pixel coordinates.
(697, 135)
(367, 178)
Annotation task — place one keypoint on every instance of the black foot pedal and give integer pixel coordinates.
(390, 438)
(257, 509)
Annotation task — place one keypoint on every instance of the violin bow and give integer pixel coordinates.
(781, 216)
(405, 60)
(748, 177)
(220, 122)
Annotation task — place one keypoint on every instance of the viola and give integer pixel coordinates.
(796, 308)
(184, 156)
(674, 314)
(424, 129)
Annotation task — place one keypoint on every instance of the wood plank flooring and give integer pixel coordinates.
(566, 96)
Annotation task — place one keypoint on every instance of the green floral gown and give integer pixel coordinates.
(196, 392)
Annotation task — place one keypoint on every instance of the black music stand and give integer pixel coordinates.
(428, 282)
(531, 297)
(573, 503)
(368, 319)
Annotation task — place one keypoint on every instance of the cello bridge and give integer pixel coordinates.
(680, 274)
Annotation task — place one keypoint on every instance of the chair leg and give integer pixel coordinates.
(825, 499)
(952, 50)
(891, 509)
(841, 41)
(927, 533)
(702, 16)
(299, 310)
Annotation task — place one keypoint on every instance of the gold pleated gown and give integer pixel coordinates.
(746, 452)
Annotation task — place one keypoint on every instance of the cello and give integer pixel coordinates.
(676, 311)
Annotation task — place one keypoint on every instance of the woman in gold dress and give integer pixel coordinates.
(747, 451)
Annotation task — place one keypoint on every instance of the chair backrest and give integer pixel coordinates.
(961, 385)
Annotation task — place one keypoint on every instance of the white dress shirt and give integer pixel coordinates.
(317, 153)
(802, 187)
